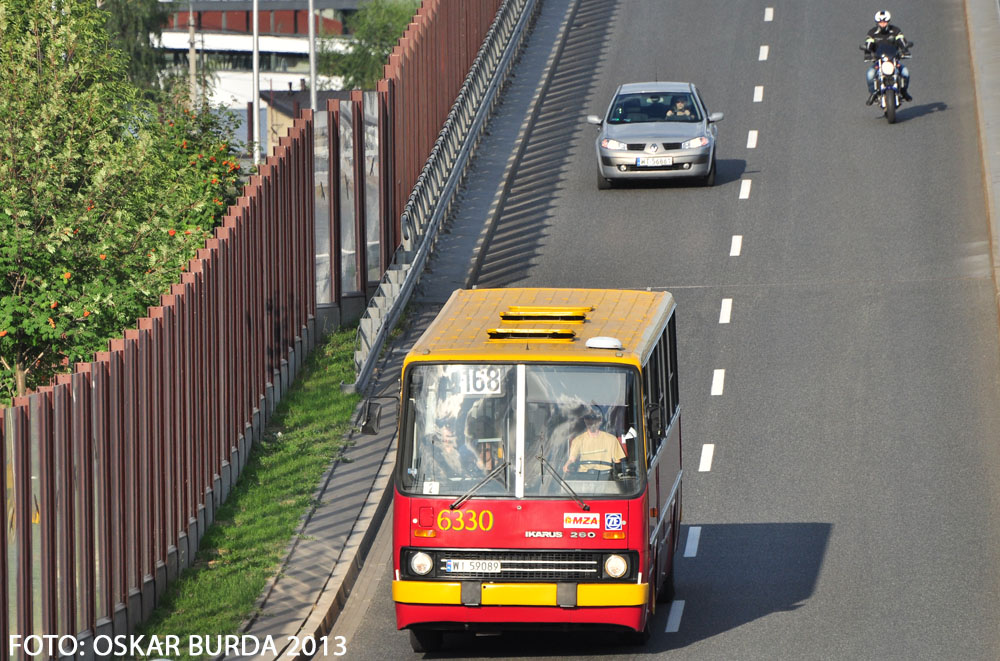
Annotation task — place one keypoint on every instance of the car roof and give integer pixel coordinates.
(668, 87)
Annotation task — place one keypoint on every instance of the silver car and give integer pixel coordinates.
(656, 131)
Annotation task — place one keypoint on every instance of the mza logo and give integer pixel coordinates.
(581, 520)
(612, 521)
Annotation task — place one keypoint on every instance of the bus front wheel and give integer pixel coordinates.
(426, 640)
(638, 638)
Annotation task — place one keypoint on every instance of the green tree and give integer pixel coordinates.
(131, 24)
(103, 198)
(376, 27)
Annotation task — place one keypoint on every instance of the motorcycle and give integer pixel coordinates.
(886, 60)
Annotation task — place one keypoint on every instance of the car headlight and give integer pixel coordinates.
(421, 563)
(608, 143)
(615, 566)
(694, 143)
(887, 67)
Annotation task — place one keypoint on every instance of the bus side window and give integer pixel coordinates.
(655, 409)
(669, 344)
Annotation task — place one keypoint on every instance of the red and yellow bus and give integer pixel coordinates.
(538, 472)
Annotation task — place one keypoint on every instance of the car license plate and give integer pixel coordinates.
(653, 161)
(470, 566)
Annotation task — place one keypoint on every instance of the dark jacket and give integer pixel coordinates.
(890, 33)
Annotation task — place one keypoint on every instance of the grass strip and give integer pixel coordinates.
(254, 527)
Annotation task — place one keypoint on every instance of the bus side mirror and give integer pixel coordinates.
(653, 423)
(370, 416)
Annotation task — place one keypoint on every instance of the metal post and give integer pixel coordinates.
(256, 83)
(192, 65)
(312, 57)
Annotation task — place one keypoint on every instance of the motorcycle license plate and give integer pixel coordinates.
(653, 161)
(469, 566)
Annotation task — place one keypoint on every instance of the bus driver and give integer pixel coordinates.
(593, 449)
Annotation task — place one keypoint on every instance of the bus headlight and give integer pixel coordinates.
(421, 563)
(615, 566)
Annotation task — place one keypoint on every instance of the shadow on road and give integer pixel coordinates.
(742, 572)
(913, 112)
(521, 216)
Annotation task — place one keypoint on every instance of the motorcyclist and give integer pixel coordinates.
(884, 31)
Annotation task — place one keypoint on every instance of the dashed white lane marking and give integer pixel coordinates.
(726, 310)
(758, 93)
(736, 246)
(752, 139)
(745, 189)
(769, 14)
(718, 380)
(764, 50)
(707, 452)
(674, 619)
(691, 548)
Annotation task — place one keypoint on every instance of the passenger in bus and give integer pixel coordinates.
(453, 458)
(593, 449)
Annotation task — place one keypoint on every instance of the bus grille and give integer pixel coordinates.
(527, 566)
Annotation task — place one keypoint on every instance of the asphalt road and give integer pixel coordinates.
(848, 511)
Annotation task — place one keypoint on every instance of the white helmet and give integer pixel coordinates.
(882, 15)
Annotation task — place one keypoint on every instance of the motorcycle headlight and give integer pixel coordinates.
(608, 143)
(421, 563)
(694, 143)
(887, 67)
(615, 566)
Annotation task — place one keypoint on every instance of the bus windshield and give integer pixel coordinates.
(538, 421)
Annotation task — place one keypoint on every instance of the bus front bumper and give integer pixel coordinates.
(563, 595)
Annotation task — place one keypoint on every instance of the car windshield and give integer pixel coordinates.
(581, 422)
(659, 107)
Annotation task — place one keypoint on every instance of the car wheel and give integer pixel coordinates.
(425, 640)
(602, 182)
(709, 179)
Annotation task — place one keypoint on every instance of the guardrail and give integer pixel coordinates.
(432, 196)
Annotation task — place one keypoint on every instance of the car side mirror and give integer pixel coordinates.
(716, 117)
(594, 119)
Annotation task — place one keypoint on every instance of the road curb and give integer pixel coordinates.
(982, 19)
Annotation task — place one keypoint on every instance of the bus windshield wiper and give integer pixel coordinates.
(564, 484)
(468, 494)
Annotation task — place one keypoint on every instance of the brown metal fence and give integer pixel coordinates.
(424, 75)
(114, 473)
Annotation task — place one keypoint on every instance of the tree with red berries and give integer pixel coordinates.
(103, 197)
